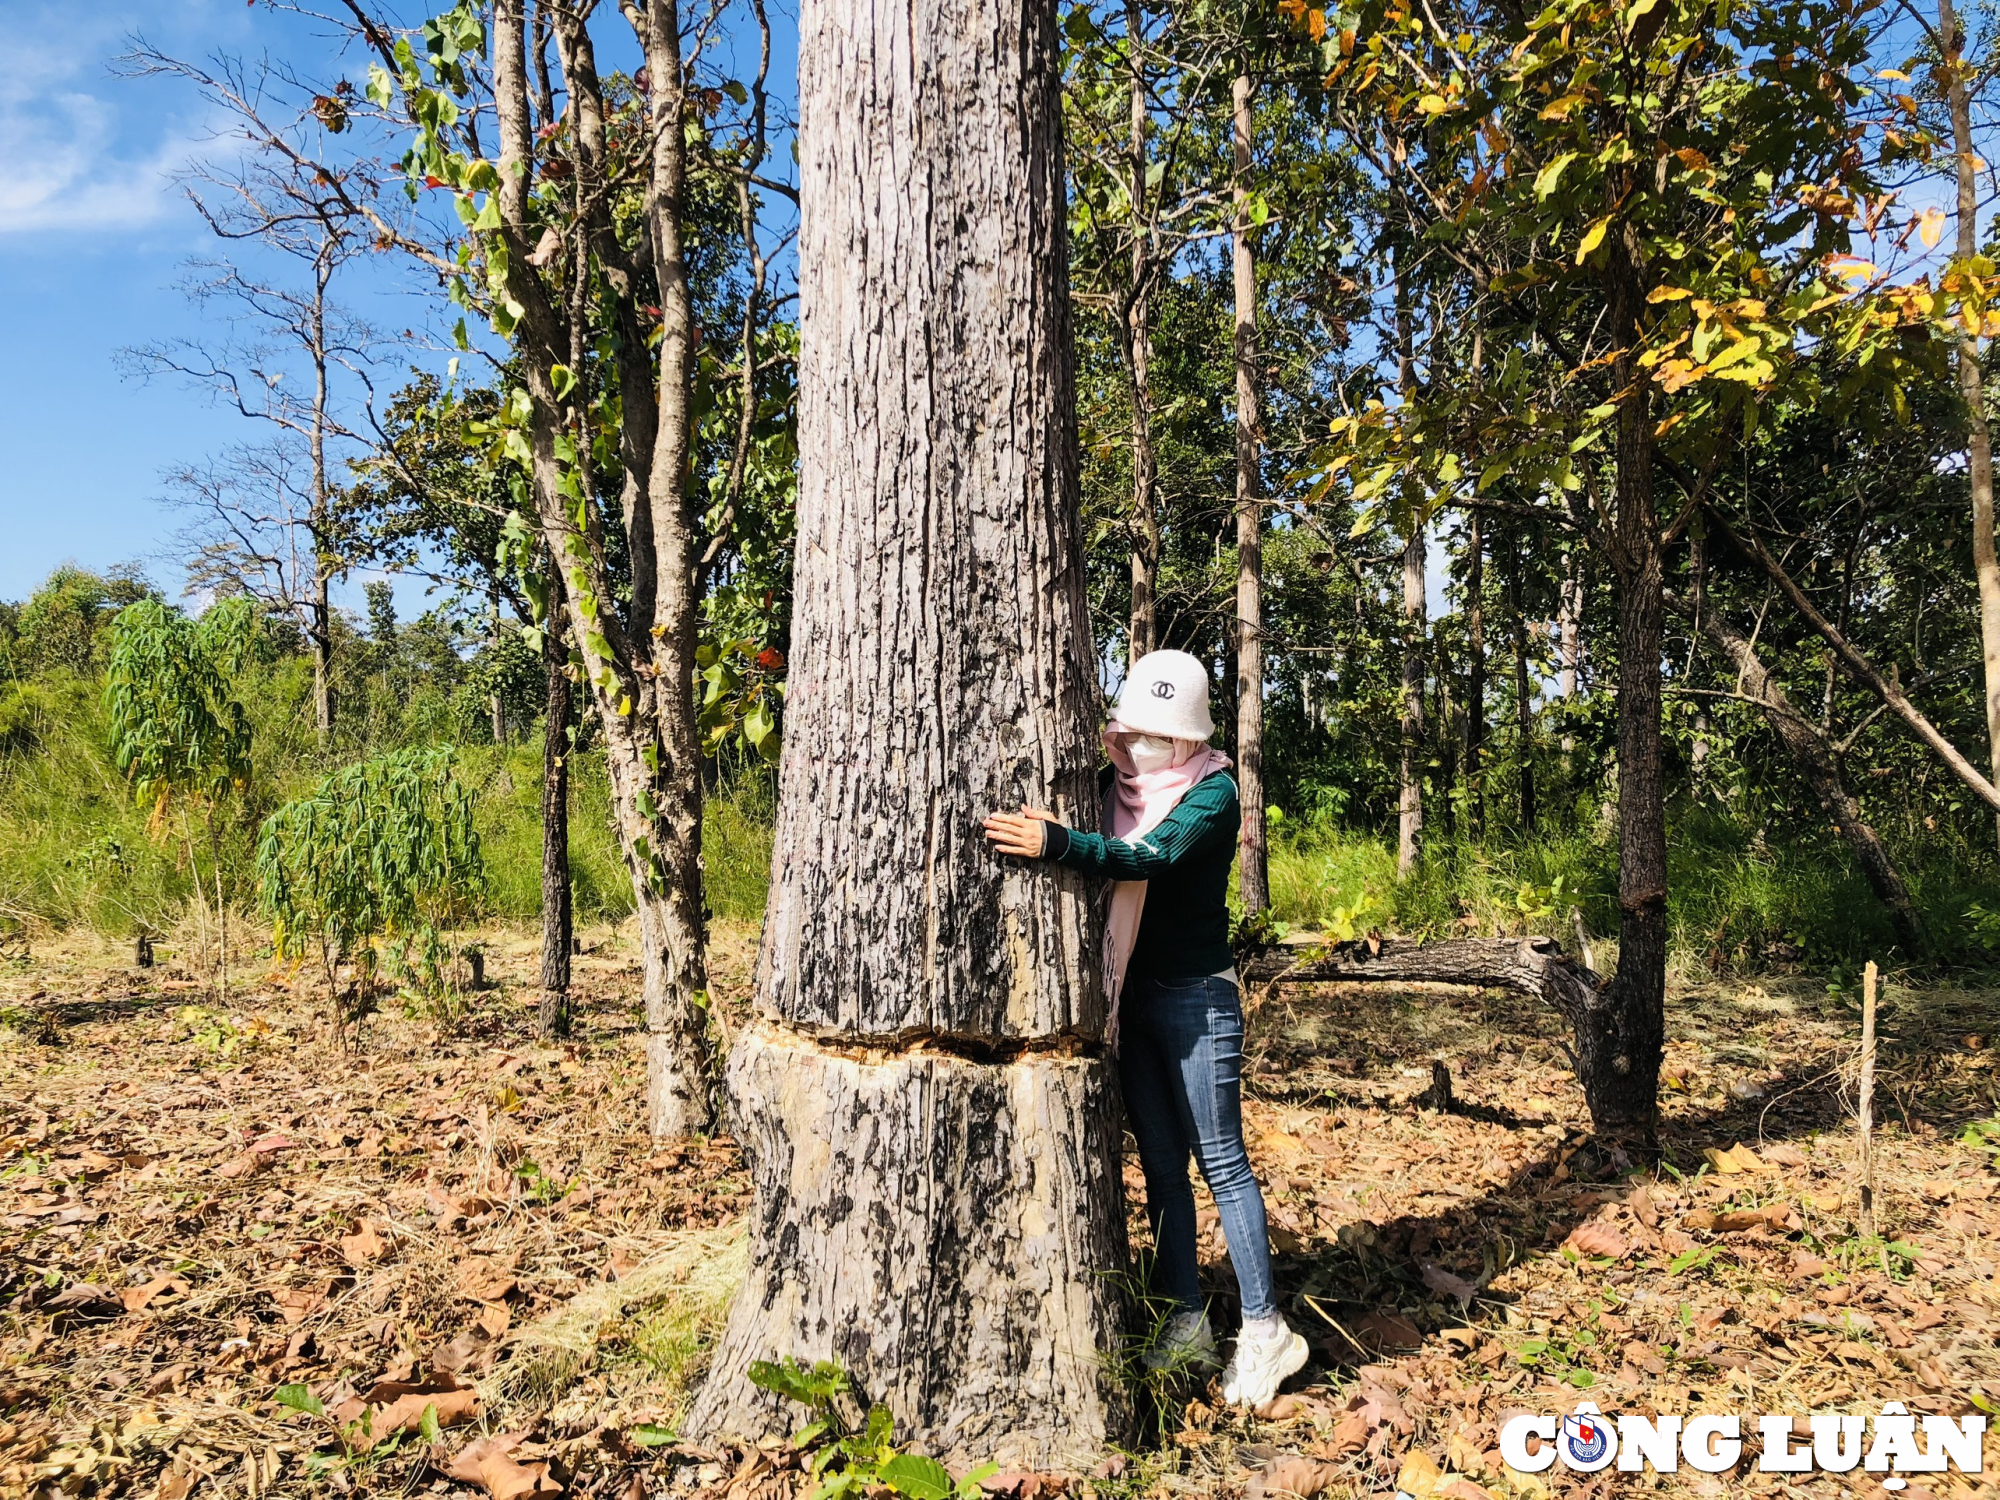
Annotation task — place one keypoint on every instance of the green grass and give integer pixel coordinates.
(76, 851)
(1732, 896)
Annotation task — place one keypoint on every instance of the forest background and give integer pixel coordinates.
(1440, 616)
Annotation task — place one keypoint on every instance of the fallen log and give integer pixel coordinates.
(1534, 966)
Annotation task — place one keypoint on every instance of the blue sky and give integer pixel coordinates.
(95, 237)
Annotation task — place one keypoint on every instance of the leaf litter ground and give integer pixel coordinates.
(235, 1259)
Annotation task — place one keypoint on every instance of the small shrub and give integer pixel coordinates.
(386, 848)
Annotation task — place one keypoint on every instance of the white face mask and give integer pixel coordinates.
(1149, 752)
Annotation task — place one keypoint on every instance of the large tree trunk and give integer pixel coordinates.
(1619, 1049)
(557, 921)
(1253, 871)
(1818, 764)
(1971, 382)
(924, 1100)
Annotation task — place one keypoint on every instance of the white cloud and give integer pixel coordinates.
(80, 149)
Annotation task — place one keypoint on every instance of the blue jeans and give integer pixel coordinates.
(1181, 1063)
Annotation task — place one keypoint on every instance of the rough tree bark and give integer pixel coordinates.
(1971, 380)
(1817, 763)
(923, 1097)
(557, 918)
(1253, 872)
(1620, 1044)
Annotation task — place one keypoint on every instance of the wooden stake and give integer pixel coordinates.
(1868, 1100)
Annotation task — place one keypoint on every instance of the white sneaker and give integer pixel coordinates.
(1184, 1342)
(1263, 1360)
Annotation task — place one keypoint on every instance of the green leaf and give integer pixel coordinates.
(1547, 179)
(381, 87)
(563, 378)
(489, 217)
(652, 1435)
(427, 1424)
(300, 1398)
(916, 1476)
(1692, 1260)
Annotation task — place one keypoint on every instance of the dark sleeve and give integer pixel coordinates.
(1209, 809)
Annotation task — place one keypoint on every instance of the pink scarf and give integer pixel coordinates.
(1136, 805)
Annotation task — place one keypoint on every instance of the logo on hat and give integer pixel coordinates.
(1586, 1438)
(1163, 690)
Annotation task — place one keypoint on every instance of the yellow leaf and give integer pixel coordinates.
(1896, 73)
(1592, 238)
(1432, 104)
(1666, 294)
(1737, 1159)
(1419, 1474)
(1930, 226)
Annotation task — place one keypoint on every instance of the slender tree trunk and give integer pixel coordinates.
(925, 1102)
(1818, 765)
(1144, 630)
(319, 629)
(1410, 772)
(494, 701)
(1620, 1043)
(1524, 701)
(1475, 675)
(557, 921)
(639, 663)
(1448, 732)
(1410, 776)
(1145, 627)
(1971, 382)
(1569, 628)
(1253, 873)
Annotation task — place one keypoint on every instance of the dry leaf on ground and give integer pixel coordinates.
(1301, 1477)
(490, 1464)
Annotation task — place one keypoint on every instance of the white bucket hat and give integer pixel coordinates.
(1166, 693)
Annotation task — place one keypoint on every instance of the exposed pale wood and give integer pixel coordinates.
(937, 1225)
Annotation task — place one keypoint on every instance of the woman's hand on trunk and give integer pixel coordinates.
(1019, 833)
